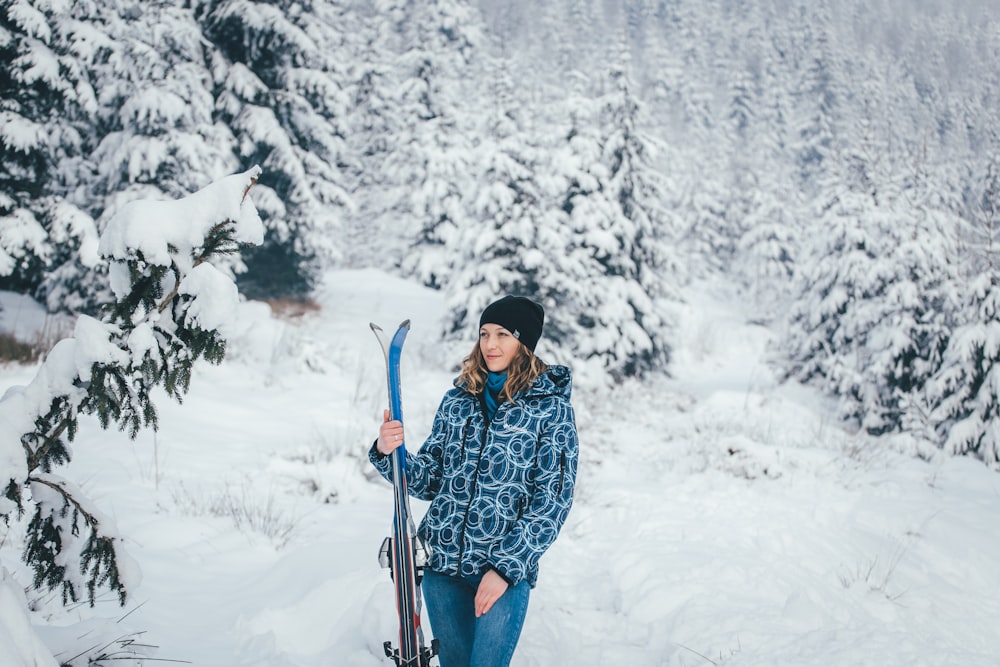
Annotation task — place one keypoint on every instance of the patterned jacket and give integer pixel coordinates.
(499, 491)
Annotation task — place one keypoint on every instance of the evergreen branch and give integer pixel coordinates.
(36, 457)
(90, 519)
(13, 494)
(98, 558)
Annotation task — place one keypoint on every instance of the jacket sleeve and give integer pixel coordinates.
(423, 469)
(547, 508)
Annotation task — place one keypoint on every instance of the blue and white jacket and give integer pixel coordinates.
(499, 491)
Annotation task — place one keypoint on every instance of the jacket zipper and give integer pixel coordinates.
(475, 480)
(468, 506)
(562, 473)
(465, 436)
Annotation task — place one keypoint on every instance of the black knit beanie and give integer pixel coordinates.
(519, 315)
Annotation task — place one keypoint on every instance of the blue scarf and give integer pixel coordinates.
(491, 397)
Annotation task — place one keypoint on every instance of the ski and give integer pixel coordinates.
(402, 552)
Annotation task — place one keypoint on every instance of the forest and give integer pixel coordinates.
(837, 161)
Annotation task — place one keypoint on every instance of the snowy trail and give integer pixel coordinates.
(719, 535)
(719, 519)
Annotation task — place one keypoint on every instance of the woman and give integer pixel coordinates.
(499, 468)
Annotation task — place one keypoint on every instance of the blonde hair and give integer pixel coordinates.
(524, 369)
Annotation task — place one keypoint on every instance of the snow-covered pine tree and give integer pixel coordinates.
(691, 32)
(157, 131)
(878, 294)
(172, 306)
(664, 81)
(497, 250)
(279, 83)
(647, 224)
(679, 90)
(838, 290)
(964, 394)
(913, 322)
(45, 122)
(374, 128)
(154, 132)
(769, 209)
(441, 78)
(820, 96)
(746, 140)
(763, 205)
(618, 229)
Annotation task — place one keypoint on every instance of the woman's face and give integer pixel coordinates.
(499, 347)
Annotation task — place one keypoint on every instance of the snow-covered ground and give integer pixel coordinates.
(720, 519)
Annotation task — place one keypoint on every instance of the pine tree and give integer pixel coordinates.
(375, 125)
(964, 394)
(278, 84)
(842, 290)
(815, 119)
(170, 305)
(438, 47)
(154, 128)
(45, 123)
(644, 226)
(915, 321)
(616, 240)
(768, 248)
(764, 208)
(497, 250)
(877, 298)
(833, 278)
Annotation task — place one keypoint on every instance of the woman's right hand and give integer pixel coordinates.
(390, 435)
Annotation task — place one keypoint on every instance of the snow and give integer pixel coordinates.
(720, 518)
(20, 233)
(216, 298)
(21, 645)
(165, 230)
(20, 133)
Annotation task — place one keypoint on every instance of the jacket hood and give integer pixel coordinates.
(554, 381)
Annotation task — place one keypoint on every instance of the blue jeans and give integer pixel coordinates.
(467, 641)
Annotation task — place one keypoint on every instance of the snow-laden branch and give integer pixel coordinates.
(172, 307)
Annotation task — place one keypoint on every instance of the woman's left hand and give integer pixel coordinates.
(490, 589)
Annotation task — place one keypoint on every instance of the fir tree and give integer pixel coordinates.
(170, 305)
(46, 121)
(438, 49)
(874, 314)
(278, 85)
(375, 126)
(764, 207)
(816, 118)
(155, 133)
(616, 241)
(964, 394)
(644, 229)
(497, 250)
